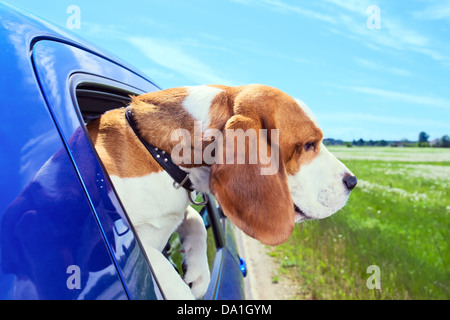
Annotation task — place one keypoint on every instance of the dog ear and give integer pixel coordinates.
(255, 197)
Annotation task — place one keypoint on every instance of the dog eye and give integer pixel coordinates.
(310, 146)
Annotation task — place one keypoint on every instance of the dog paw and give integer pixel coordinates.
(197, 277)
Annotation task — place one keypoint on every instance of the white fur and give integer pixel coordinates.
(199, 177)
(156, 209)
(192, 233)
(318, 188)
(170, 283)
(154, 206)
(198, 102)
(308, 112)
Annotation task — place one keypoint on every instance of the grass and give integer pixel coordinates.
(397, 218)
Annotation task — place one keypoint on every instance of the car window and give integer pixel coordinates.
(94, 99)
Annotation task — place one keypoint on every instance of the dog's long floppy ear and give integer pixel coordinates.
(258, 203)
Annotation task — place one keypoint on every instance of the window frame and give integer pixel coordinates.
(104, 88)
(102, 83)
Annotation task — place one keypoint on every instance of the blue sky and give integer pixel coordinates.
(387, 83)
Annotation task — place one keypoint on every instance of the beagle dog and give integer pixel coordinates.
(308, 181)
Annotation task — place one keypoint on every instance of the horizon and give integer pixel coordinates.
(376, 140)
(367, 69)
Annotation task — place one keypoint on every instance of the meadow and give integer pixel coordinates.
(397, 218)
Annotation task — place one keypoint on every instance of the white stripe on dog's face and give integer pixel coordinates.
(308, 112)
(318, 188)
(198, 102)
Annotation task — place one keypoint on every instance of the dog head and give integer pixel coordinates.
(278, 174)
(307, 182)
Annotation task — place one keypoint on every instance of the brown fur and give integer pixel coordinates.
(260, 205)
(122, 153)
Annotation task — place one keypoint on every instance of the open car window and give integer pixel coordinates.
(95, 96)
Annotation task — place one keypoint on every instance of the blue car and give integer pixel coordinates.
(63, 231)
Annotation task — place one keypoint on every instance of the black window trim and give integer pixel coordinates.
(93, 86)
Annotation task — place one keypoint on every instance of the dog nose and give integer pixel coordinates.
(350, 181)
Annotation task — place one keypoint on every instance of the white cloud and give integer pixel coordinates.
(394, 33)
(437, 11)
(356, 6)
(379, 67)
(348, 18)
(361, 118)
(171, 56)
(284, 7)
(401, 96)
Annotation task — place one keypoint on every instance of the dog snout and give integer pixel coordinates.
(350, 181)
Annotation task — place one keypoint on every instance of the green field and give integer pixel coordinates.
(397, 218)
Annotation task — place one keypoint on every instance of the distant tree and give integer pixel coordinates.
(407, 143)
(445, 141)
(423, 137)
(382, 143)
(332, 142)
(404, 142)
(360, 142)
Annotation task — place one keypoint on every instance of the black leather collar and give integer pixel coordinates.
(180, 176)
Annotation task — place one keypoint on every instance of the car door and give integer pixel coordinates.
(51, 244)
(227, 268)
(69, 75)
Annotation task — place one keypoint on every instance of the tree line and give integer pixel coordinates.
(422, 142)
